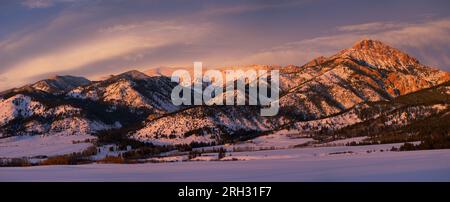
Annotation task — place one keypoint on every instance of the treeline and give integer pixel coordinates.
(73, 158)
(436, 141)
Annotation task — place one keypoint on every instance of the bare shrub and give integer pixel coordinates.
(112, 159)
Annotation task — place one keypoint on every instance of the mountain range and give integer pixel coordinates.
(370, 89)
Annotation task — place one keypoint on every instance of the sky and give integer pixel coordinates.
(96, 38)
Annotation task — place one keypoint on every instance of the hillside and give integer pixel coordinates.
(368, 86)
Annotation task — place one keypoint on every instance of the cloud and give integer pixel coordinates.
(99, 38)
(3, 79)
(244, 8)
(300, 52)
(44, 3)
(372, 26)
(110, 42)
(427, 40)
(38, 3)
(224, 10)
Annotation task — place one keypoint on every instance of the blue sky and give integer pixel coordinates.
(94, 38)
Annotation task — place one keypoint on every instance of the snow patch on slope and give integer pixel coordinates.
(122, 92)
(79, 126)
(18, 106)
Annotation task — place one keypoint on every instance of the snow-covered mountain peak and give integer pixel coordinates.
(370, 44)
(133, 75)
(379, 55)
(59, 84)
(123, 92)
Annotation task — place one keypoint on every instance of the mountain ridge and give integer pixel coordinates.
(140, 104)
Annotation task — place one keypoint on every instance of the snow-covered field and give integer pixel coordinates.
(48, 145)
(358, 163)
(266, 142)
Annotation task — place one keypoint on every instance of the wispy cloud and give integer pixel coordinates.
(44, 3)
(428, 40)
(243, 7)
(371, 26)
(97, 38)
(110, 42)
(38, 3)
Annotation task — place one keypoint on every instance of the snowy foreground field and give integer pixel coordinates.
(339, 163)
